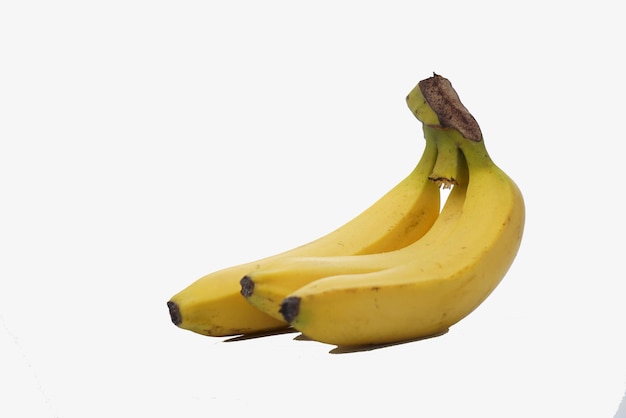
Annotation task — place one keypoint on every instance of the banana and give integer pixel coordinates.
(213, 305)
(266, 287)
(423, 289)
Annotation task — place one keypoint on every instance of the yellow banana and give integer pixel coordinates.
(265, 288)
(213, 305)
(424, 293)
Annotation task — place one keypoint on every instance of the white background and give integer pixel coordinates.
(147, 143)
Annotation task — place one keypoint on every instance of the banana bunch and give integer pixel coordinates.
(398, 271)
(213, 305)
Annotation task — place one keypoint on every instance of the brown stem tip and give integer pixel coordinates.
(247, 286)
(445, 102)
(290, 308)
(174, 313)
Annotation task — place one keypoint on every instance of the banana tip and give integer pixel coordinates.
(174, 313)
(290, 308)
(247, 286)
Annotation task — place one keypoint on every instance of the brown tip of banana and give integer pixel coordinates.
(247, 286)
(290, 308)
(174, 313)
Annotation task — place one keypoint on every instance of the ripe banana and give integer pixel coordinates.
(429, 286)
(266, 287)
(213, 305)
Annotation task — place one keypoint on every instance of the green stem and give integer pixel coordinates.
(450, 168)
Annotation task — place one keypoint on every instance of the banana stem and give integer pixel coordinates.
(435, 103)
(475, 153)
(470, 155)
(450, 168)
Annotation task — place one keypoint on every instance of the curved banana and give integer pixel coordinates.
(266, 287)
(426, 293)
(213, 305)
